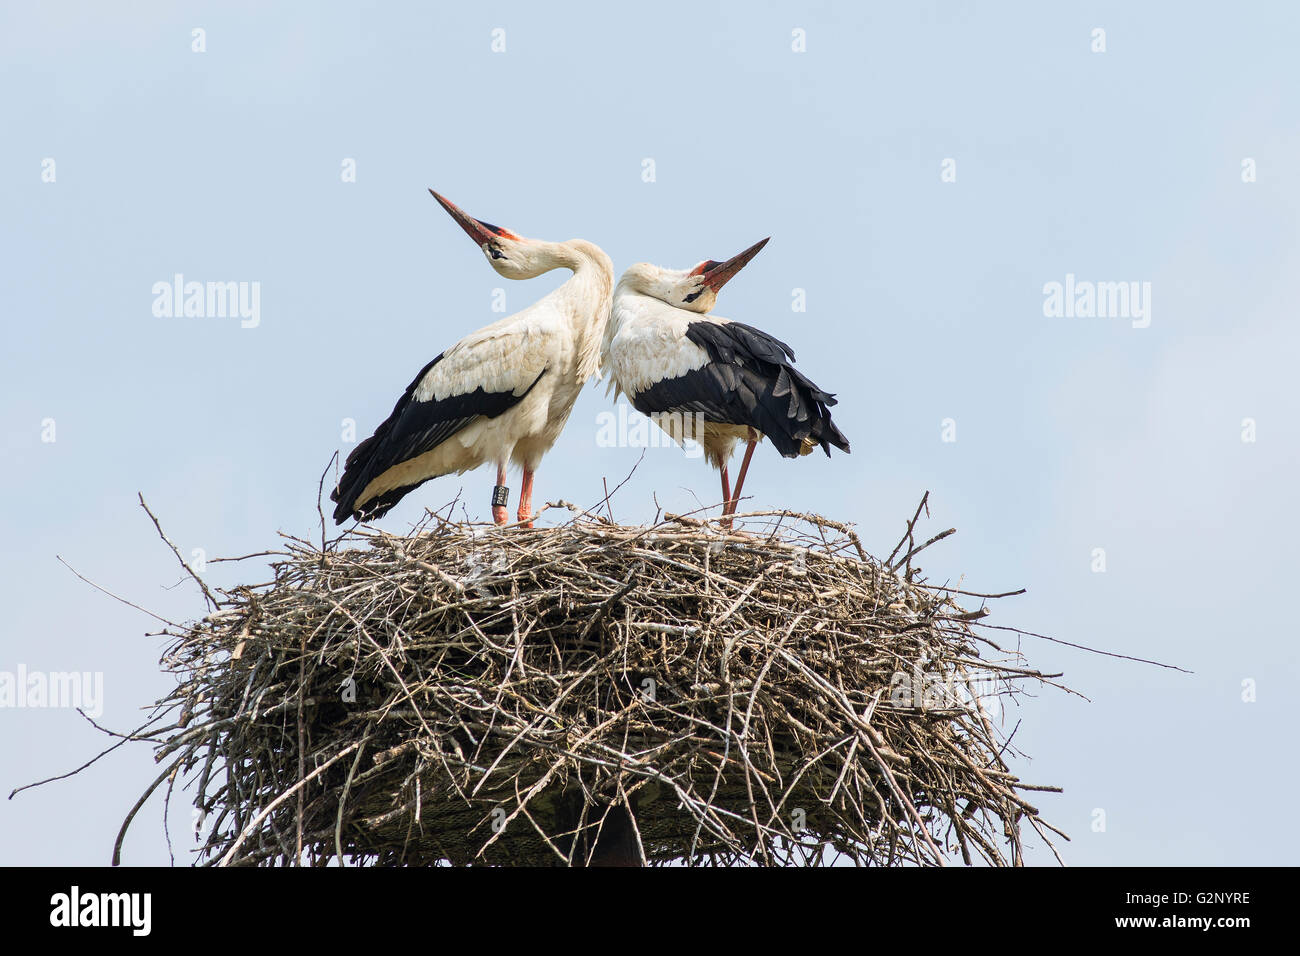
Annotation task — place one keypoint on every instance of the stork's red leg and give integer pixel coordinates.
(500, 512)
(740, 479)
(526, 499)
(726, 493)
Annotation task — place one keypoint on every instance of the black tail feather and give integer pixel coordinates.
(752, 381)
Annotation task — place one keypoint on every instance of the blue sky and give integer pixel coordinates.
(924, 304)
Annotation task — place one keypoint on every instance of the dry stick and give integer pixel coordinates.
(609, 494)
(134, 735)
(73, 773)
(907, 535)
(907, 558)
(980, 594)
(1083, 647)
(115, 597)
(121, 834)
(245, 557)
(347, 786)
(188, 570)
(320, 492)
(167, 805)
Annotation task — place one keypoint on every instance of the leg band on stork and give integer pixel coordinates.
(500, 497)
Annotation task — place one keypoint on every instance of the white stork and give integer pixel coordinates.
(708, 378)
(501, 394)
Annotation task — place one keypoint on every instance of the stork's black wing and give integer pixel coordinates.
(750, 379)
(414, 427)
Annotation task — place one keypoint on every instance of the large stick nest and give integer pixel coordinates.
(472, 695)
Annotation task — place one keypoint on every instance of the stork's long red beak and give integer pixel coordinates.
(717, 274)
(477, 230)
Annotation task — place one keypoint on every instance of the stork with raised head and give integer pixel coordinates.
(499, 395)
(707, 378)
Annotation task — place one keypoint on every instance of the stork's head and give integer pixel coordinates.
(696, 289)
(514, 257)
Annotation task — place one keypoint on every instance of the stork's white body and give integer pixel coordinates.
(554, 342)
(645, 342)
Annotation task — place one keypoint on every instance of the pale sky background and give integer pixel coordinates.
(924, 302)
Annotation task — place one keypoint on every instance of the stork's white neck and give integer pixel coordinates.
(593, 272)
(631, 300)
(585, 297)
(576, 255)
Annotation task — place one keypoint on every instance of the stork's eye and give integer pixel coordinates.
(694, 295)
(496, 252)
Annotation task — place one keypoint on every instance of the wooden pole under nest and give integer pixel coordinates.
(616, 842)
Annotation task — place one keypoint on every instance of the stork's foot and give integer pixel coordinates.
(525, 519)
(500, 514)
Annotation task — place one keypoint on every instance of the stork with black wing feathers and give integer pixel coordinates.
(500, 395)
(699, 376)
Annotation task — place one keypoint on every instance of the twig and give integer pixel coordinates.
(212, 601)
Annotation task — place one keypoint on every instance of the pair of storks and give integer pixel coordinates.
(501, 395)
